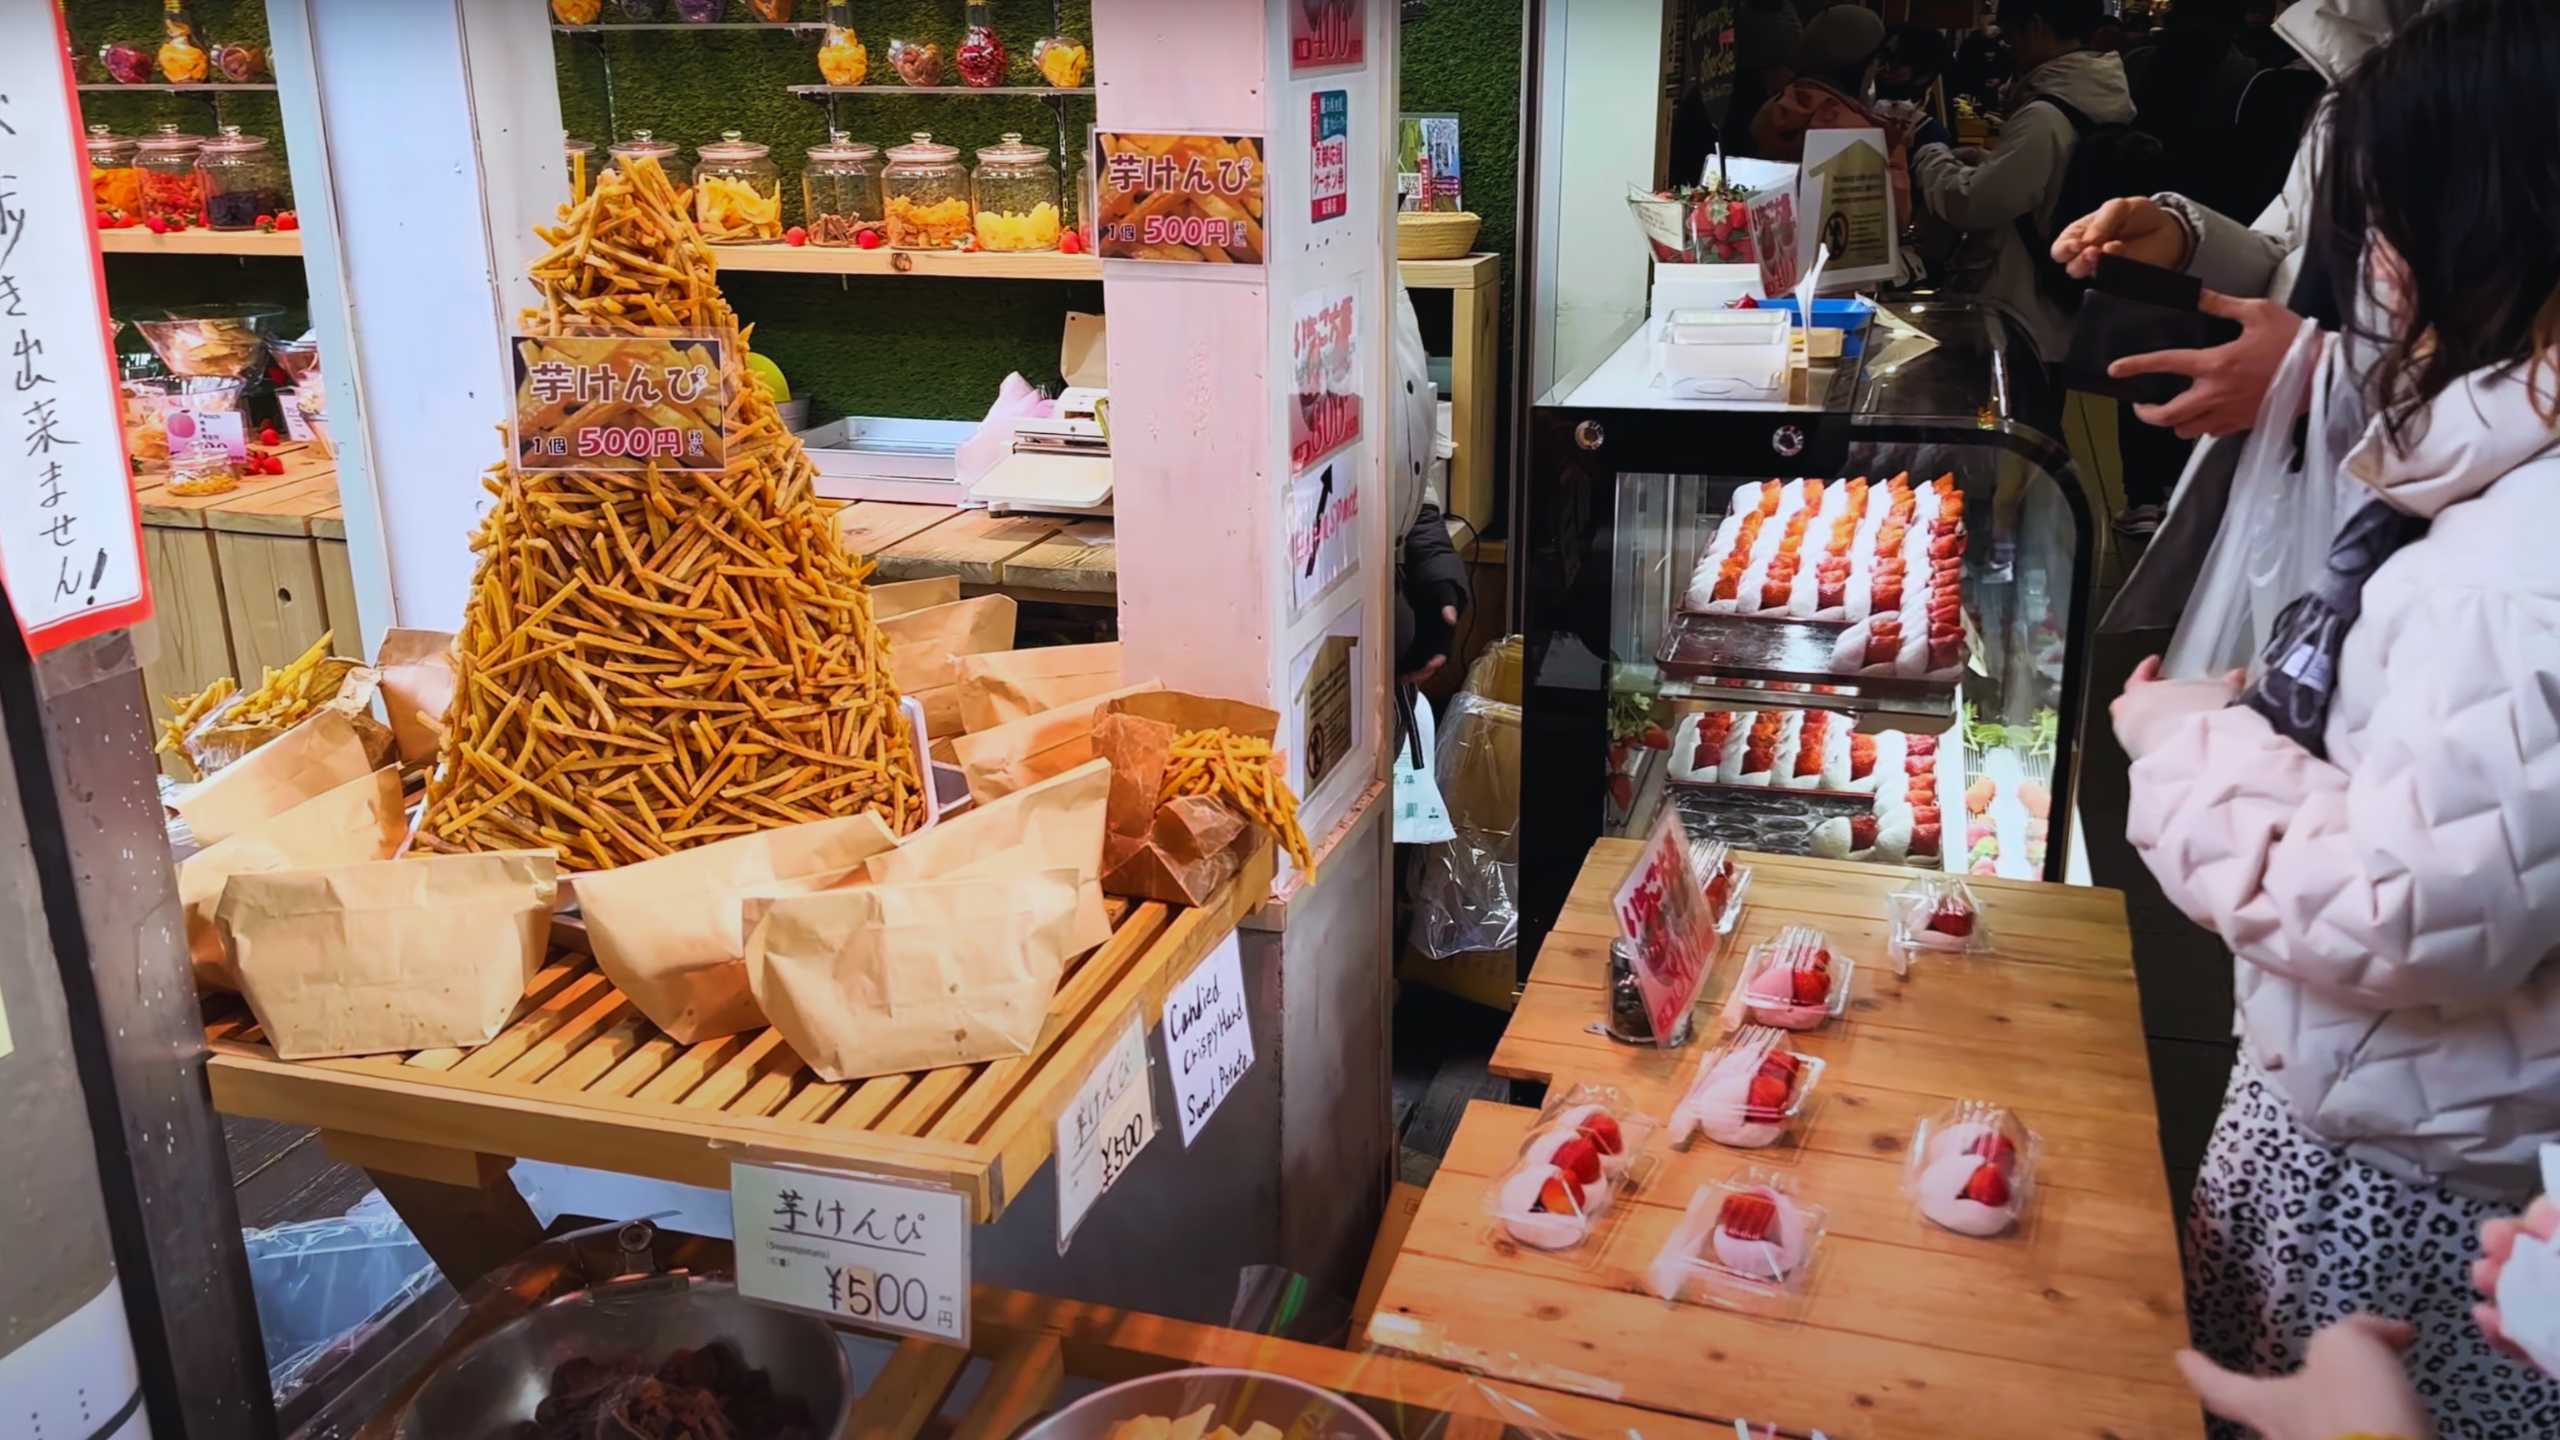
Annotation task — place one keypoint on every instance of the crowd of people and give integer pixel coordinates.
(2367, 813)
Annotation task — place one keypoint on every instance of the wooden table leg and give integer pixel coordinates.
(468, 1230)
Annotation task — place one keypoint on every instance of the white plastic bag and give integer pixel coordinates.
(1016, 400)
(1421, 818)
(2277, 528)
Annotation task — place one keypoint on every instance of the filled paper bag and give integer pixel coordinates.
(389, 955)
(1009, 685)
(360, 820)
(316, 756)
(925, 647)
(671, 932)
(1056, 824)
(882, 979)
(1022, 752)
(223, 738)
(900, 597)
(417, 689)
(1178, 851)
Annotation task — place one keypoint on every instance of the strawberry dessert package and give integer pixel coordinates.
(1935, 913)
(1746, 1091)
(1722, 879)
(1791, 981)
(1745, 1242)
(1584, 1147)
(1971, 1168)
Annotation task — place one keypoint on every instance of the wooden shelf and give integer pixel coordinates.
(846, 260)
(785, 27)
(135, 240)
(1467, 272)
(1042, 91)
(109, 89)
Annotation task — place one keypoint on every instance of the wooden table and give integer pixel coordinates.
(580, 1077)
(246, 579)
(2065, 1328)
(1030, 557)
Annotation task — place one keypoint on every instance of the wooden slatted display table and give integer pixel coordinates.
(2065, 1328)
(579, 1077)
(1030, 557)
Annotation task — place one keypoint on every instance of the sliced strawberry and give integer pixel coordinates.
(1780, 1065)
(1925, 839)
(1757, 757)
(1728, 586)
(1580, 1159)
(1885, 593)
(1768, 1098)
(1656, 738)
(1602, 1131)
(1831, 594)
(1560, 1195)
(1809, 761)
(1926, 815)
(1773, 594)
(1987, 1187)
(1946, 546)
(1993, 1147)
(1747, 1217)
(1946, 654)
(1952, 917)
(1813, 986)
(1862, 831)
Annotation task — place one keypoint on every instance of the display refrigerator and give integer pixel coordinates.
(1845, 625)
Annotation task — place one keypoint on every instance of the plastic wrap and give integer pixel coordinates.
(1971, 1168)
(1747, 1242)
(322, 1285)
(1935, 914)
(1585, 1150)
(1466, 893)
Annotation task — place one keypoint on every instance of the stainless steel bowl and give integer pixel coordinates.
(497, 1382)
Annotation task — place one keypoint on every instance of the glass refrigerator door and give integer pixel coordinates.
(1841, 631)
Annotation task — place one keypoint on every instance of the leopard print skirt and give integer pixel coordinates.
(2288, 1234)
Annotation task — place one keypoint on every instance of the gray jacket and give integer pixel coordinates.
(2022, 177)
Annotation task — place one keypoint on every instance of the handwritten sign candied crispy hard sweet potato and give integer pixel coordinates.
(650, 659)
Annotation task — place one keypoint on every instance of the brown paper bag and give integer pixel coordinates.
(671, 931)
(417, 687)
(901, 597)
(1026, 751)
(1179, 852)
(360, 820)
(882, 979)
(221, 740)
(392, 954)
(316, 756)
(1011, 684)
(925, 647)
(1056, 824)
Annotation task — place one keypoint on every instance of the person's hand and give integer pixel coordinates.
(2497, 1243)
(1929, 133)
(1415, 676)
(2150, 705)
(2231, 379)
(2135, 227)
(2350, 1383)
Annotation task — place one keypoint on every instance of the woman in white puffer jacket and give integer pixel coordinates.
(2373, 822)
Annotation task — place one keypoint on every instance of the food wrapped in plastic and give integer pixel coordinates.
(1747, 1091)
(1793, 981)
(1936, 913)
(1466, 889)
(1971, 1168)
(1744, 1241)
(1586, 1143)
(1062, 60)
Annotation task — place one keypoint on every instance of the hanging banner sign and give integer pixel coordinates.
(620, 402)
(1328, 155)
(1192, 199)
(70, 529)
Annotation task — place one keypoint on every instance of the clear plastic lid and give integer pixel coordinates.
(1793, 980)
(1747, 1242)
(571, 149)
(1936, 913)
(643, 143)
(108, 149)
(1971, 1168)
(732, 146)
(842, 149)
(1748, 1091)
(1585, 1147)
(232, 142)
(1012, 151)
(922, 149)
(168, 141)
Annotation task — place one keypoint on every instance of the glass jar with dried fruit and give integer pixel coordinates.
(918, 62)
(1062, 60)
(242, 180)
(737, 192)
(772, 12)
(1016, 193)
(172, 192)
(981, 54)
(115, 181)
(239, 64)
(927, 192)
(645, 145)
(842, 58)
(183, 59)
(576, 12)
(840, 190)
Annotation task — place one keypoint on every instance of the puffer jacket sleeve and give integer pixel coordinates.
(2242, 260)
(2430, 873)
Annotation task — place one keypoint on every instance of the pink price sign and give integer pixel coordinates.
(1661, 907)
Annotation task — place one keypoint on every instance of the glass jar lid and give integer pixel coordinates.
(922, 149)
(232, 142)
(1012, 152)
(644, 143)
(841, 146)
(573, 147)
(106, 145)
(168, 141)
(733, 145)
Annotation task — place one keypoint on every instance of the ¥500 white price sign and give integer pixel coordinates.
(889, 1254)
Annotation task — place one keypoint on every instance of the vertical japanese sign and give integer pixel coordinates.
(889, 1254)
(70, 533)
(1324, 355)
(1661, 907)
(1326, 33)
(1196, 199)
(619, 402)
(1328, 155)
